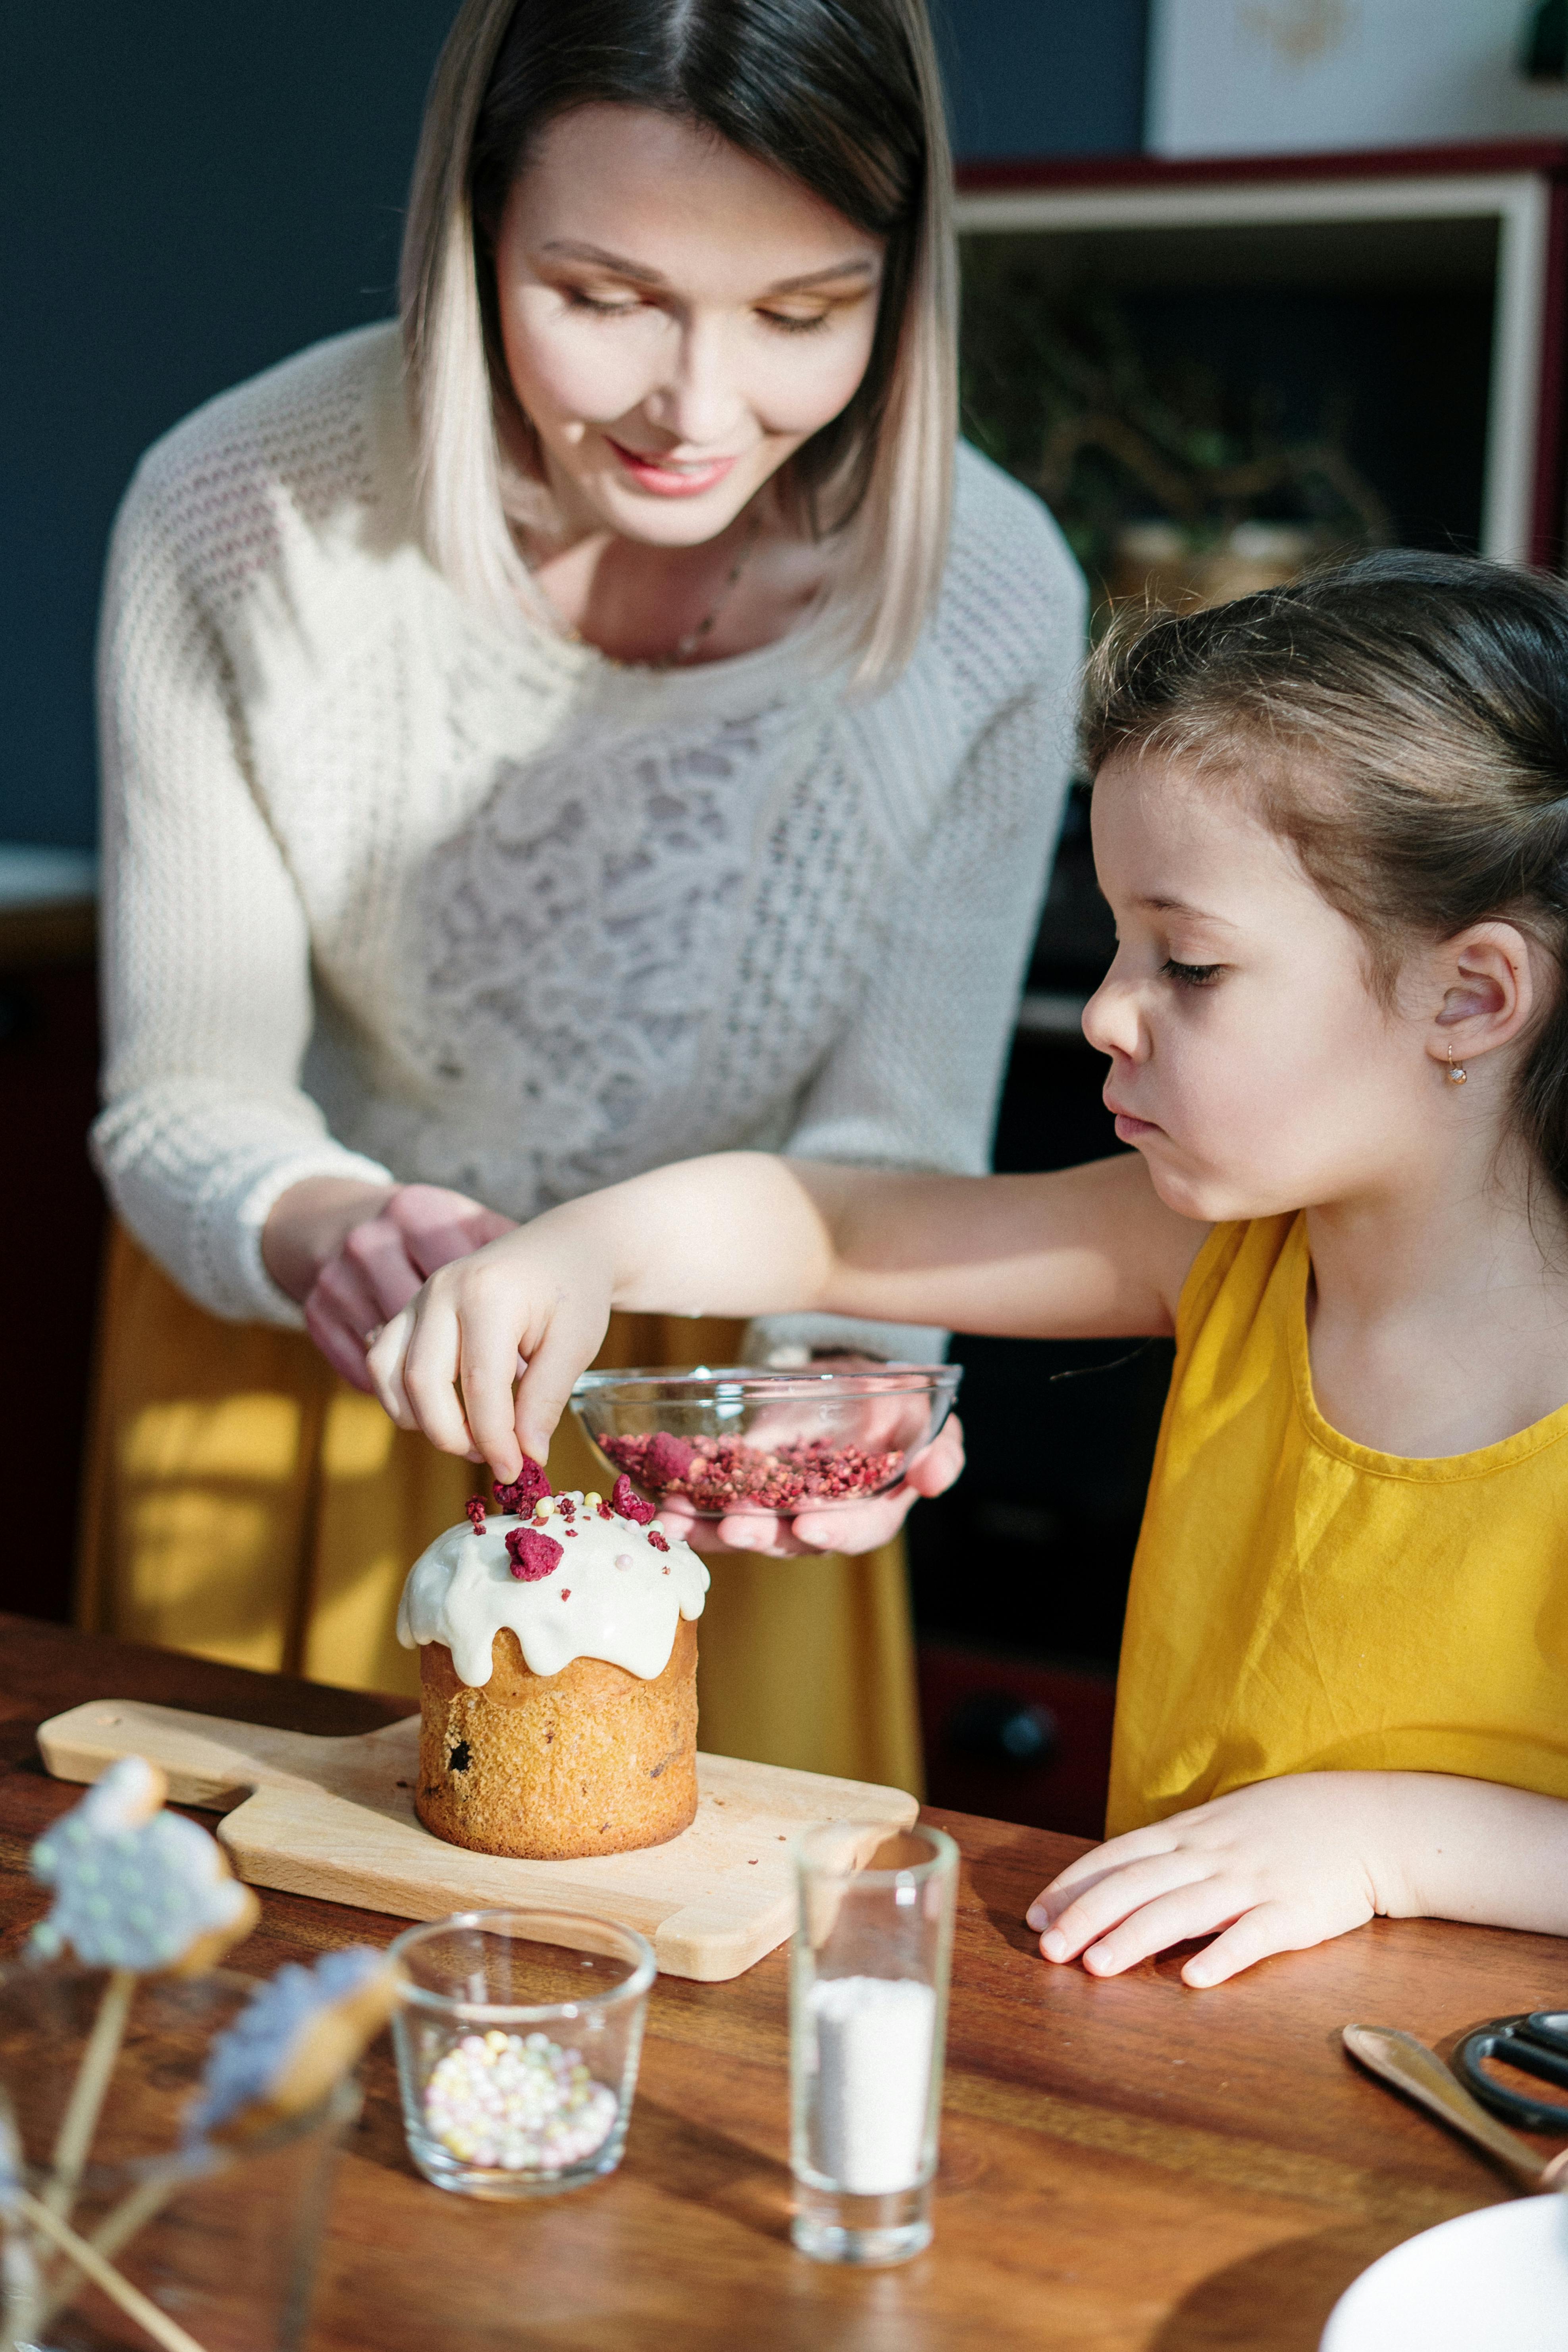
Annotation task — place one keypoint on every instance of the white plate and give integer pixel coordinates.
(1494, 2279)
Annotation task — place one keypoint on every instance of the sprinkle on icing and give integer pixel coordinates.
(626, 1597)
(135, 1887)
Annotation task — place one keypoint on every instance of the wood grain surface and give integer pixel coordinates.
(335, 1818)
(1124, 2163)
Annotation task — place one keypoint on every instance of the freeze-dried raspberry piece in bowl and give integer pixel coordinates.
(729, 1438)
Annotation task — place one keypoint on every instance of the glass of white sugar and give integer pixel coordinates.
(867, 2023)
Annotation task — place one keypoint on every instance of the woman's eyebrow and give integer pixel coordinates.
(569, 249)
(572, 250)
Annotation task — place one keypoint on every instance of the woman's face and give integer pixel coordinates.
(676, 319)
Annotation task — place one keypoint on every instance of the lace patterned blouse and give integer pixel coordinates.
(389, 891)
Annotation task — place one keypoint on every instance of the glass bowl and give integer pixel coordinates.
(517, 2037)
(732, 1438)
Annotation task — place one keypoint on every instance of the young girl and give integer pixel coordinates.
(1332, 824)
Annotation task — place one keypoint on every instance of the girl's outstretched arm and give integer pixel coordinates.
(1286, 1864)
(1083, 1253)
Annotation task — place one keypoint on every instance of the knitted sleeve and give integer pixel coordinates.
(914, 1079)
(205, 951)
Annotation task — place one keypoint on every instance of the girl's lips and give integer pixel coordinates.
(671, 481)
(1129, 1129)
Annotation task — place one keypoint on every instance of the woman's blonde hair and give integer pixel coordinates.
(842, 95)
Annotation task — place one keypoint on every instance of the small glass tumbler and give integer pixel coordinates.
(867, 2025)
(221, 2242)
(518, 2038)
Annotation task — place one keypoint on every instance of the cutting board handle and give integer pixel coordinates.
(210, 1762)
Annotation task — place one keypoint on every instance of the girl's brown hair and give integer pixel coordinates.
(1402, 722)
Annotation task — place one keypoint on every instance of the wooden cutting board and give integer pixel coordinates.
(335, 1818)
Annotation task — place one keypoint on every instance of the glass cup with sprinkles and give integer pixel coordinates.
(518, 2038)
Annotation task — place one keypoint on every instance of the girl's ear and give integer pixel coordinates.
(1489, 989)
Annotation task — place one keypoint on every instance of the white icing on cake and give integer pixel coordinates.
(612, 1595)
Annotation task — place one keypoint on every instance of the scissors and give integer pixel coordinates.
(1536, 2043)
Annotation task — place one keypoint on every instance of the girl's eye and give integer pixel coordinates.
(788, 323)
(1190, 975)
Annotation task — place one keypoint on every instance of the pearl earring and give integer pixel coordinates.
(1455, 1070)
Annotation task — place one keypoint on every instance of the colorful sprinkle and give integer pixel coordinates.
(509, 2103)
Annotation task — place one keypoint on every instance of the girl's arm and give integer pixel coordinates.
(1289, 1862)
(913, 1080)
(1085, 1253)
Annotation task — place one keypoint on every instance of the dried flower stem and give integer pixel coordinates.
(157, 2323)
(80, 2119)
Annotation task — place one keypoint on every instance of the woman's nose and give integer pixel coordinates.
(700, 401)
(1110, 1018)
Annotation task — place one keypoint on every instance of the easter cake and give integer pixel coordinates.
(558, 1675)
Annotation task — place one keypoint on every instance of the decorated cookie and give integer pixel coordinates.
(135, 1887)
(291, 2042)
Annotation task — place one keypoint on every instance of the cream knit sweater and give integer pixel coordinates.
(389, 891)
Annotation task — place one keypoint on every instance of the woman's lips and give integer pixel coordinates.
(667, 479)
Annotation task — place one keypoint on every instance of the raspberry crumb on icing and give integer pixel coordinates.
(532, 1555)
(627, 1503)
(475, 1511)
(530, 1485)
(566, 1593)
(658, 1541)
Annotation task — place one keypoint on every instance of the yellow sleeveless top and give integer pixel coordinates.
(1303, 1604)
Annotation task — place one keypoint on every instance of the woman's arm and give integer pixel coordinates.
(1084, 1253)
(1286, 1864)
(206, 946)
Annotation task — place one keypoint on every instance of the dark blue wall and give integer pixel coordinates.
(194, 188)
(1045, 77)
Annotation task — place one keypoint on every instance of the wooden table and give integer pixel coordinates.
(1124, 2164)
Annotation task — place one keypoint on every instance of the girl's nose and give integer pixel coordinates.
(1110, 1018)
(700, 403)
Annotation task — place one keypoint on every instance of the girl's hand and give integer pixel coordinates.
(354, 1255)
(845, 1527)
(535, 1302)
(1275, 1867)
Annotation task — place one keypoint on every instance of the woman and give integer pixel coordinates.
(562, 740)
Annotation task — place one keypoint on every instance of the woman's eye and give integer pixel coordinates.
(578, 301)
(1190, 975)
(792, 323)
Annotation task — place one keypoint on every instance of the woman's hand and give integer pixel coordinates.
(844, 1527)
(1275, 1867)
(354, 1255)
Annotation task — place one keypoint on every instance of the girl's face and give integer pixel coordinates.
(676, 319)
(1251, 1063)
